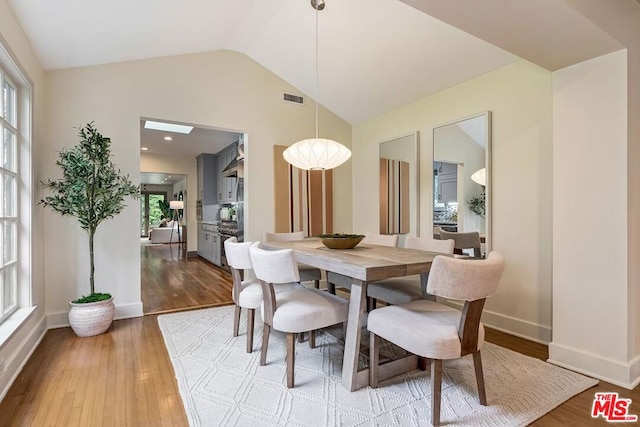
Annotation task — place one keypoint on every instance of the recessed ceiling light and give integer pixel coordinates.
(168, 138)
(144, 148)
(169, 127)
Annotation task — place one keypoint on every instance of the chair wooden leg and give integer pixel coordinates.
(316, 283)
(251, 315)
(477, 363)
(265, 344)
(312, 339)
(236, 321)
(436, 386)
(301, 337)
(291, 358)
(374, 352)
(422, 363)
(331, 287)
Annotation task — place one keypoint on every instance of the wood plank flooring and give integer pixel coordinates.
(171, 281)
(125, 378)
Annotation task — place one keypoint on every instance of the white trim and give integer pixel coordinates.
(518, 327)
(21, 356)
(613, 371)
(512, 325)
(10, 326)
(60, 319)
(127, 311)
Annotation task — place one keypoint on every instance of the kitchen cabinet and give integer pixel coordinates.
(226, 185)
(209, 244)
(445, 182)
(202, 249)
(207, 178)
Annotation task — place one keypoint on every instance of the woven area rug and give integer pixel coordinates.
(222, 385)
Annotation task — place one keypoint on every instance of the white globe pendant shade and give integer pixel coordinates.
(317, 154)
(480, 176)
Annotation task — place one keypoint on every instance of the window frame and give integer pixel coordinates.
(21, 126)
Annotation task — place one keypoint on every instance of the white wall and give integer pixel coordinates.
(219, 89)
(590, 218)
(519, 96)
(176, 164)
(17, 349)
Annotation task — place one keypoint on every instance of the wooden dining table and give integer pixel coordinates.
(363, 264)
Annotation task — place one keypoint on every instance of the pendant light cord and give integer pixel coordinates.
(316, 8)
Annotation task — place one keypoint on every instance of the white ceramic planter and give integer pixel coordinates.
(92, 318)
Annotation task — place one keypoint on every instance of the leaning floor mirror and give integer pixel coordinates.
(462, 177)
(399, 185)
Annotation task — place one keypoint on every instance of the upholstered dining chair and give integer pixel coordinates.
(245, 293)
(439, 332)
(307, 273)
(468, 240)
(400, 290)
(295, 311)
(334, 279)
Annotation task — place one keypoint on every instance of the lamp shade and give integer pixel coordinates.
(176, 204)
(480, 176)
(317, 154)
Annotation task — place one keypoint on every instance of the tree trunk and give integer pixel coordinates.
(91, 280)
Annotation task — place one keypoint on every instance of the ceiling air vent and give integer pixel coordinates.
(296, 99)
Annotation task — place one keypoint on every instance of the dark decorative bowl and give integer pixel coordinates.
(340, 241)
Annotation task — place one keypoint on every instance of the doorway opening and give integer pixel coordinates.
(152, 211)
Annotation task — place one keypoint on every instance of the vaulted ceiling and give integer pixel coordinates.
(374, 55)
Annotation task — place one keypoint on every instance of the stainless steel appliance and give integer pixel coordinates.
(227, 229)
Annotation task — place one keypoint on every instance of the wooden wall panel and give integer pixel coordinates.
(404, 198)
(384, 196)
(328, 201)
(316, 211)
(303, 199)
(282, 190)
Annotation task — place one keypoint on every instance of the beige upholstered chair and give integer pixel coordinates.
(334, 279)
(295, 311)
(439, 332)
(470, 240)
(307, 273)
(246, 293)
(400, 290)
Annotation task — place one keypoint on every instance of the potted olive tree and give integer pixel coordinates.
(92, 190)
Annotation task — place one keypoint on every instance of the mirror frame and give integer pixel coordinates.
(414, 194)
(489, 174)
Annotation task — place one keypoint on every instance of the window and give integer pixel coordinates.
(8, 197)
(15, 193)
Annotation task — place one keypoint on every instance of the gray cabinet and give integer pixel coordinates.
(226, 185)
(207, 178)
(209, 243)
(445, 182)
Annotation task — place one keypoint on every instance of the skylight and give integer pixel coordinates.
(168, 127)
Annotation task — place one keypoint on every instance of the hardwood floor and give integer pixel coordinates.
(171, 281)
(125, 377)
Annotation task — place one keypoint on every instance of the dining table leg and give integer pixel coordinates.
(357, 305)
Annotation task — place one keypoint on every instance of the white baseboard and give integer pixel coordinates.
(623, 374)
(16, 361)
(123, 311)
(513, 326)
(127, 311)
(518, 327)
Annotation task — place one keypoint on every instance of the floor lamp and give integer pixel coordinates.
(176, 205)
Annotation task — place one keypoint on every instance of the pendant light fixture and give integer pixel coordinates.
(317, 153)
